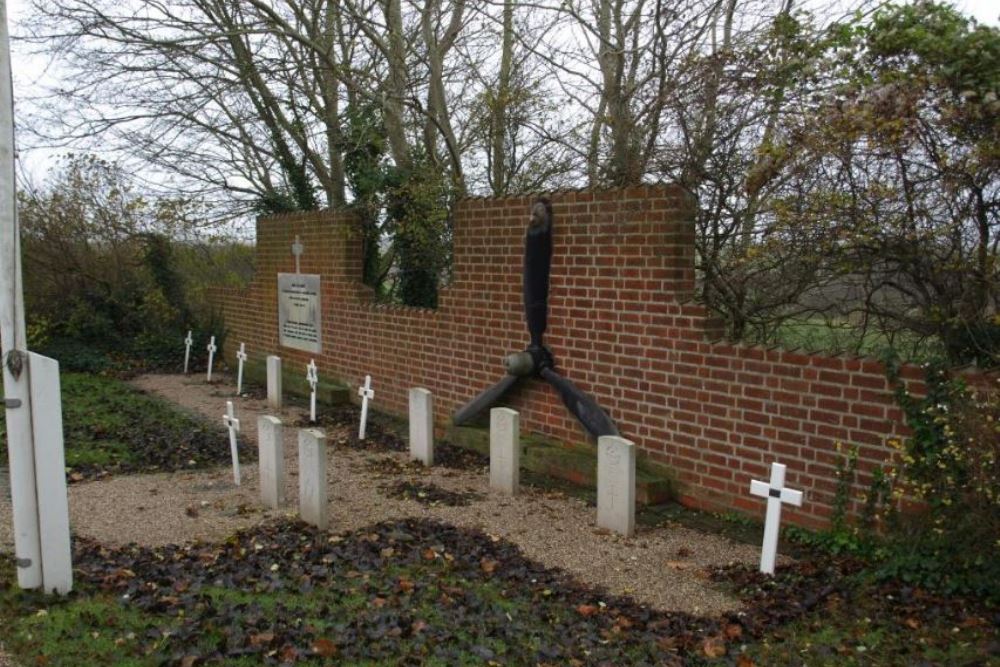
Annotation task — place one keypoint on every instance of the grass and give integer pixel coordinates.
(413, 592)
(821, 334)
(878, 626)
(109, 426)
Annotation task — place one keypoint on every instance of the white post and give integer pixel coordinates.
(271, 460)
(233, 424)
(312, 477)
(505, 450)
(50, 472)
(366, 393)
(274, 381)
(211, 357)
(17, 394)
(188, 341)
(312, 377)
(776, 494)
(422, 426)
(241, 357)
(616, 484)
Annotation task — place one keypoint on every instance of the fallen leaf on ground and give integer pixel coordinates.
(324, 648)
(714, 647)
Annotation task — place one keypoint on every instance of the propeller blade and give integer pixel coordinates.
(583, 407)
(484, 400)
(537, 264)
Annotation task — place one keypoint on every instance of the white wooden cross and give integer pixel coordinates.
(187, 350)
(211, 357)
(366, 393)
(297, 249)
(233, 424)
(313, 379)
(241, 356)
(776, 494)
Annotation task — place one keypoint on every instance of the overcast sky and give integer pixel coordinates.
(31, 75)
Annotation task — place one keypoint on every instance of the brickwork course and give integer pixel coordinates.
(622, 326)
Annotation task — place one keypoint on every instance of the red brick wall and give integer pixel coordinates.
(620, 326)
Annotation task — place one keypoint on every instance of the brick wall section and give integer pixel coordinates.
(621, 326)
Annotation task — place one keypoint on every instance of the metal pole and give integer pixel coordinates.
(13, 343)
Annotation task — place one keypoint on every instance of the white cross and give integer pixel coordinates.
(233, 424)
(297, 249)
(313, 379)
(187, 350)
(776, 494)
(211, 356)
(366, 393)
(241, 356)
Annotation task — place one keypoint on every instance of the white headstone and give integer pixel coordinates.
(776, 494)
(422, 426)
(366, 393)
(274, 382)
(271, 460)
(297, 249)
(211, 357)
(616, 484)
(505, 450)
(50, 473)
(187, 350)
(312, 377)
(233, 424)
(241, 357)
(312, 477)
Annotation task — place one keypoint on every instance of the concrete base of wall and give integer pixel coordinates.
(573, 463)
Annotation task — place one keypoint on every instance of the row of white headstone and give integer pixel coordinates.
(616, 478)
(313, 500)
(616, 458)
(615, 470)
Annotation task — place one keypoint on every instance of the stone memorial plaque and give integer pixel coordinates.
(299, 313)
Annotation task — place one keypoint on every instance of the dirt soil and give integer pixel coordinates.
(663, 567)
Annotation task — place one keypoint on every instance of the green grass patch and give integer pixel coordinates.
(406, 592)
(111, 427)
(835, 335)
(425, 592)
(871, 625)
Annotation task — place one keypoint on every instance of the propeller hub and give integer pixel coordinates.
(529, 362)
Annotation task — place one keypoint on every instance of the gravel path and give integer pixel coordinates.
(662, 567)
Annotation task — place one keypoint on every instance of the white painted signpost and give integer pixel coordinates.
(274, 382)
(211, 357)
(271, 460)
(616, 484)
(505, 450)
(241, 357)
(233, 424)
(776, 494)
(187, 350)
(313, 379)
(422, 426)
(366, 393)
(31, 396)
